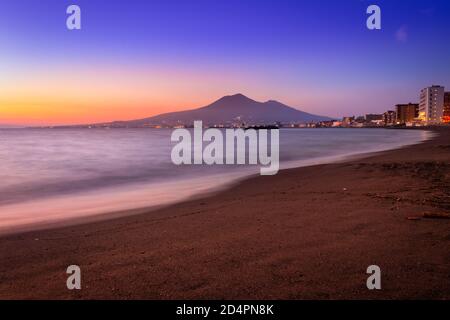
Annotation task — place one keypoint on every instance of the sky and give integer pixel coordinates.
(137, 58)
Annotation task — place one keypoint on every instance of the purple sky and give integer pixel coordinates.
(139, 58)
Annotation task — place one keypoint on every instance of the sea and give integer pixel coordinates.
(50, 176)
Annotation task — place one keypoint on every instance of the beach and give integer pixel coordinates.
(305, 233)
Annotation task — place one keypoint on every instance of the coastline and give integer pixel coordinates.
(306, 233)
(114, 202)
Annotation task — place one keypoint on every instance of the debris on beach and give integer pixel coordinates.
(436, 215)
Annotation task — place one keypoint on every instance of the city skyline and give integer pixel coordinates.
(136, 61)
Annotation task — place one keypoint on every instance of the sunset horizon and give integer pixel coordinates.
(130, 62)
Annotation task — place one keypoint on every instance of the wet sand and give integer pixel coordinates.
(306, 233)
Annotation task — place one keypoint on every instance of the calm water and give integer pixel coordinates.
(47, 175)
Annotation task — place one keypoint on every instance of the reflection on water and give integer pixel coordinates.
(52, 174)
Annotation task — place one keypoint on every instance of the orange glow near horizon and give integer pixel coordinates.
(83, 95)
(103, 95)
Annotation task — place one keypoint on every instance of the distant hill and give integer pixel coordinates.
(9, 126)
(227, 110)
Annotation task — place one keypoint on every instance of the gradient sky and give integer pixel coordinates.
(134, 59)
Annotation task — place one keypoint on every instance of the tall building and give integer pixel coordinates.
(431, 106)
(446, 116)
(389, 118)
(406, 112)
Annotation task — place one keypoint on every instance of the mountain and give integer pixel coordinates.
(227, 110)
(9, 126)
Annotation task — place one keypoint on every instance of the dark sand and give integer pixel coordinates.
(306, 233)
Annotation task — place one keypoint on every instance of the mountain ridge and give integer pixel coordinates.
(226, 111)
